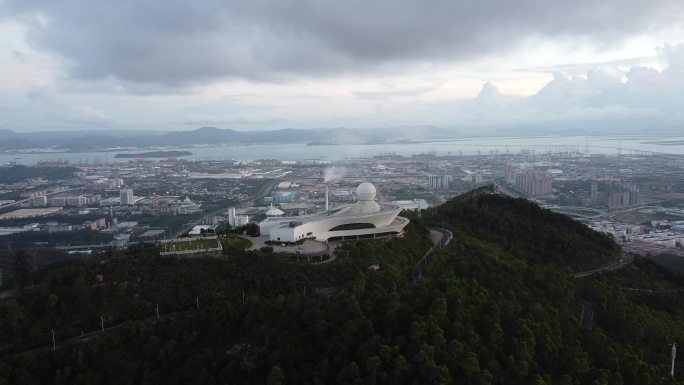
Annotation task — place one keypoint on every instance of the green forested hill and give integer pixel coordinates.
(527, 231)
(18, 173)
(496, 306)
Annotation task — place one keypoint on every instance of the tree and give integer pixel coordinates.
(276, 376)
(224, 230)
(471, 365)
(21, 270)
(252, 229)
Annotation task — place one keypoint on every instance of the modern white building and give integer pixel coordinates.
(364, 219)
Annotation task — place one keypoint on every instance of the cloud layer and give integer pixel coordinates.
(173, 43)
(641, 98)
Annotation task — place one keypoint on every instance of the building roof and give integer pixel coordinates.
(364, 207)
(274, 212)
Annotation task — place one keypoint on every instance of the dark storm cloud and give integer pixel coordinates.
(173, 42)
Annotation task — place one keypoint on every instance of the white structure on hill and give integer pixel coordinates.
(363, 219)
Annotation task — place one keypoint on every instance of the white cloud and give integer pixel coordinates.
(639, 98)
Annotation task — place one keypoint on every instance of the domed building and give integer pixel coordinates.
(364, 219)
(366, 192)
(274, 212)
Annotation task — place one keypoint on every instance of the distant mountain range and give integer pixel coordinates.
(104, 140)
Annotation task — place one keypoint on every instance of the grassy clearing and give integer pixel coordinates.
(190, 245)
(239, 242)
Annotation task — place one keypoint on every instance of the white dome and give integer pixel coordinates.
(274, 212)
(365, 192)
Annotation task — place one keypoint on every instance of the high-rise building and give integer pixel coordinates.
(77, 201)
(510, 174)
(126, 196)
(57, 201)
(622, 194)
(535, 183)
(633, 194)
(476, 178)
(614, 193)
(100, 223)
(39, 201)
(439, 182)
(236, 220)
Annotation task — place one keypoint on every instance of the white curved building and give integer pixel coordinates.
(363, 219)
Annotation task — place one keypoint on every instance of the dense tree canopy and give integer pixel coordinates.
(492, 308)
(18, 173)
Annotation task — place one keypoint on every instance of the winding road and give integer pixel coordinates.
(626, 259)
(440, 238)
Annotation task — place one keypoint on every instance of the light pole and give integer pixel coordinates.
(674, 355)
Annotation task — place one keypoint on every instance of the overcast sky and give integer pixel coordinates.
(462, 64)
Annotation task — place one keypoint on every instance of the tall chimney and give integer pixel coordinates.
(326, 198)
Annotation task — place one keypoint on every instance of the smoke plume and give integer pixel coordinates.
(332, 173)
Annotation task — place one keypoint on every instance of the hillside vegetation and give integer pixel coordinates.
(527, 231)
(497, 305)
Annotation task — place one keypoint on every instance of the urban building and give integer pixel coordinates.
(364, 219)
(53, 227)
(614, 193)
(236, 220)
(476, 178)
(57, 202)
(535, 183)
(76, 201)
(126, 196)
(439, 182)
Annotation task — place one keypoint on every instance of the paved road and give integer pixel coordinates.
(624, 261)
(440, 238)
(441, 235)
(90, 335)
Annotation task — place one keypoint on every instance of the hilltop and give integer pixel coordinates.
(496, 305)
(529, 232)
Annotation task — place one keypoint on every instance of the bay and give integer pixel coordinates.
(301, 151)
